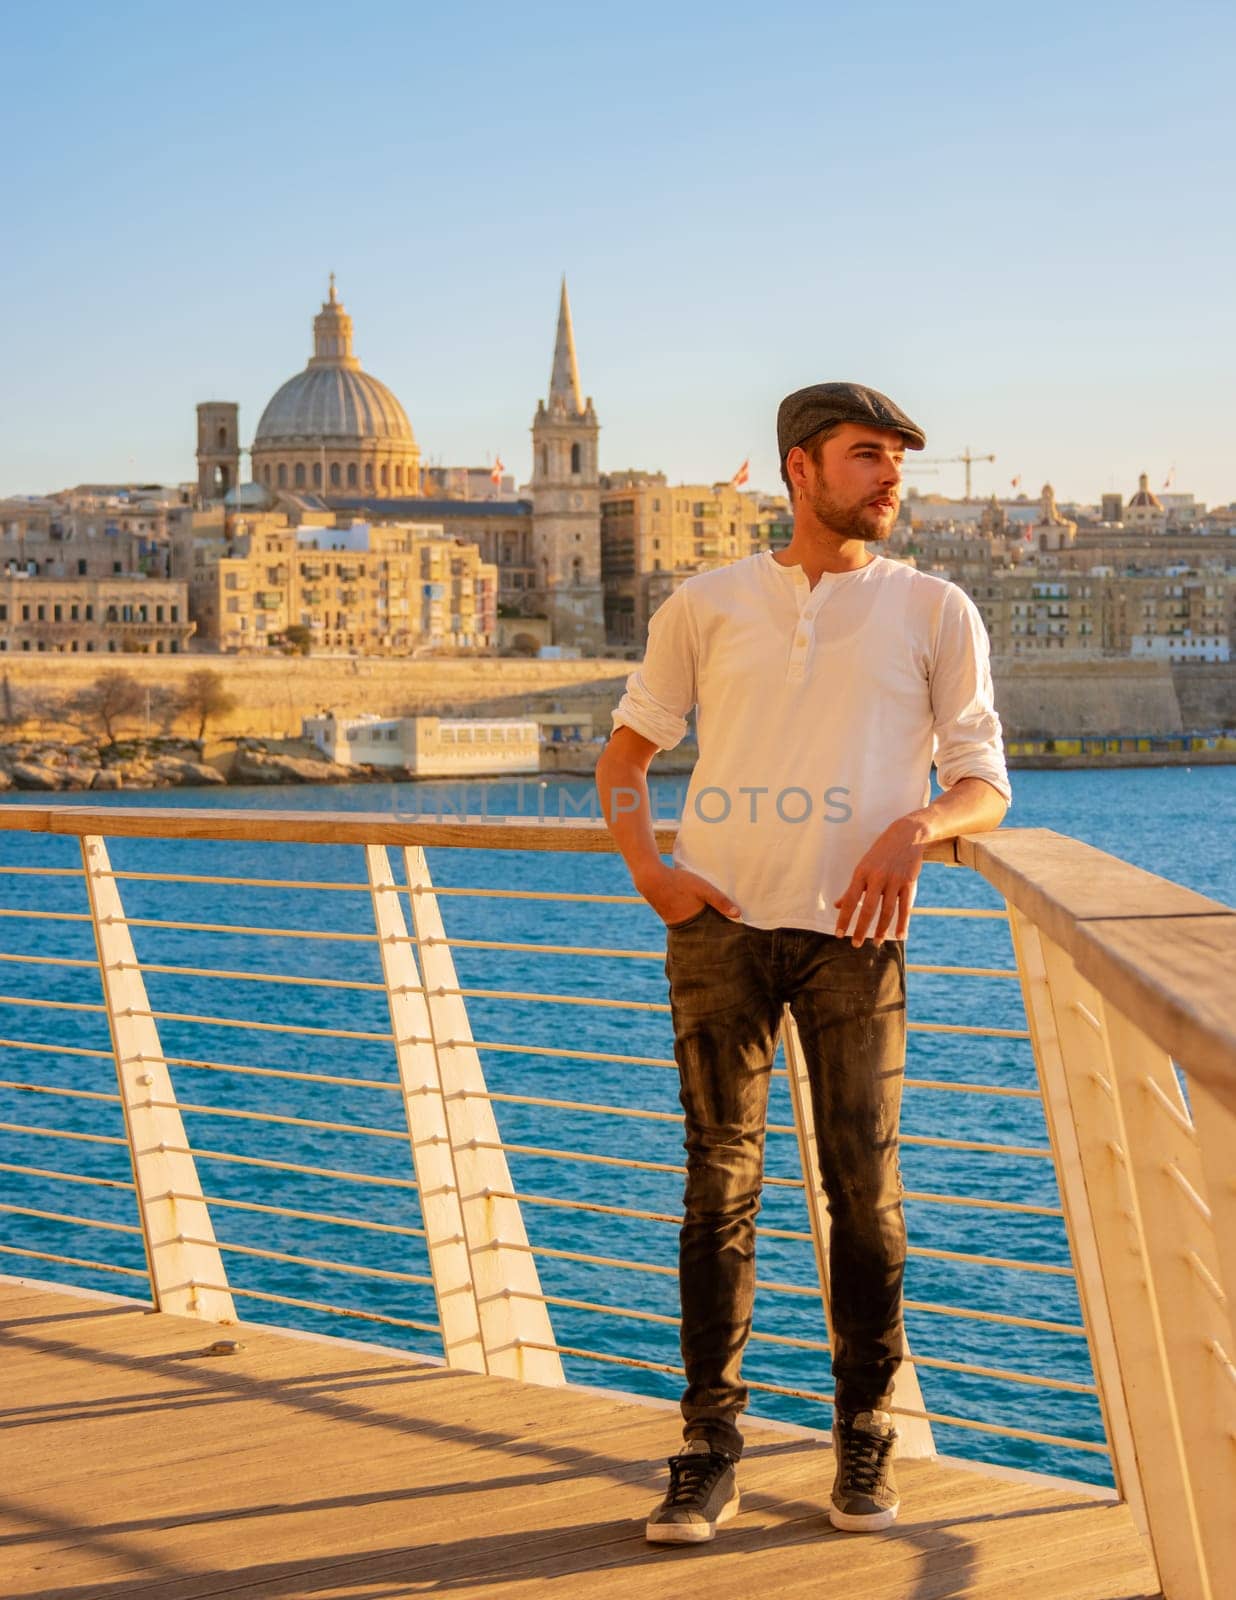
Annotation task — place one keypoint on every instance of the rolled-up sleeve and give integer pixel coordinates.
(662, 690)
(967, 729)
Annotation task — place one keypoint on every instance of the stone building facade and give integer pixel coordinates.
(655, 535)
(357, 590)
(85, 572)
(67, 616)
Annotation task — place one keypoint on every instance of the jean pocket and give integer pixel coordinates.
(675, 927)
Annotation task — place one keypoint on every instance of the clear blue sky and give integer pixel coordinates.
(1017, 221)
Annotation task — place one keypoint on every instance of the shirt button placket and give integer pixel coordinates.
(798, 651)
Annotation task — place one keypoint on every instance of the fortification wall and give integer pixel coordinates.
(1207, 694)
(1060, 699)
(273, 695)
(1036, 699)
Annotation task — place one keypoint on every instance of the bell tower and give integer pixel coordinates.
(566, 502)
(218, 448)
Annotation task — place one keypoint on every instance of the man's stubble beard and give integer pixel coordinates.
(852, 521)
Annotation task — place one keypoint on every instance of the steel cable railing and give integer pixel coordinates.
(288, 1265)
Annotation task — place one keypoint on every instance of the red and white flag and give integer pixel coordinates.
(742, 476)
(496, 471)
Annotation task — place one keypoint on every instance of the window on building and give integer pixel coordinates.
(398, 476)
(223, 438)
(90, 613)
(369, 474)
(351, 474)
(385, 476)
(25, 613)
(81, 569)
(298, 475)
(282, 475)
(576, 459)
(334, 474)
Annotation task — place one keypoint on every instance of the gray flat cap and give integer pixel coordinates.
(808, 410)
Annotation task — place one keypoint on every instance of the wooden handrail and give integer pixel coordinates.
(339, 827)
(1161, 954)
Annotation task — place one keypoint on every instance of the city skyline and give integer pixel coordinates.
(1011, 232)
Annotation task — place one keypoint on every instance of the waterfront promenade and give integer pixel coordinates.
(140, 1467)
(143, 1460)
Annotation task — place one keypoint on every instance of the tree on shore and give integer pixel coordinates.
(112, 697)
(206, 695)
(165, 703)
(297, 639)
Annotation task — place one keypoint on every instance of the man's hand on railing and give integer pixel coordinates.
(879, 894)
(676, 894)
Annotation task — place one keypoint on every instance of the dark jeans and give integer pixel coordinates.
(728, 984)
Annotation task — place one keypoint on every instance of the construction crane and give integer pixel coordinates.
(948, 461)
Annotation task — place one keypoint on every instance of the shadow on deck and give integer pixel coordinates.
(138, 1465)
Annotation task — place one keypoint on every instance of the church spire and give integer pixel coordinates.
(564, 389)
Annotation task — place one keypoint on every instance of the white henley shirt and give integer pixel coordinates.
(819, 712)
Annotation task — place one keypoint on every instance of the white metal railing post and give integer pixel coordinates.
(432, 1157)
(187, 1275)
(1216, 1134)
(1184, 1277)
(1159, 1441)
(1078, 1221)
(515, 1326)
(914, 1436)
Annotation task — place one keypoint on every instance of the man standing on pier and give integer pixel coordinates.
(826, 678)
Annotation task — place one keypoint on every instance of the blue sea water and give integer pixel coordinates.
(1176, 822)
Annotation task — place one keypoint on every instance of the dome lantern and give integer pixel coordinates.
(332, 334)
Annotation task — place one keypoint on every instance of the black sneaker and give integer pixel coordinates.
(702, 1493)
(864, 1497)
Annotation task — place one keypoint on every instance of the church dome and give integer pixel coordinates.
(334, 429)
(332, 405)
(1145, 499)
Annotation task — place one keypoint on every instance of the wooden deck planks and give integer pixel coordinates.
(138, 1468)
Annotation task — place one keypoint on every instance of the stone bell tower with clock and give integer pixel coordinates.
(566, 504)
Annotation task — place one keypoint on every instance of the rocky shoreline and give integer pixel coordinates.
(46, 766)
